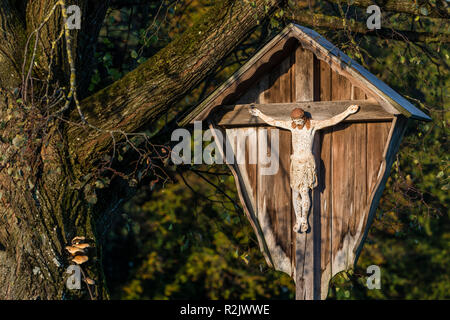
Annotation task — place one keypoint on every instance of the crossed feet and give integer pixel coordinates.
(301, 226)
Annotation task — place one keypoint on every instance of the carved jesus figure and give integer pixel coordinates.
(303, 176)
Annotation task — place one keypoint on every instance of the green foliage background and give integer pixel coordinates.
(189, 239)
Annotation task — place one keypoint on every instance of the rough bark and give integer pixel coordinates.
(42, 194)
(49, 190)
(83, 41)
(42, 207)
(11, 46)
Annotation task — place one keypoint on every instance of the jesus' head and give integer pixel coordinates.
(299, 119)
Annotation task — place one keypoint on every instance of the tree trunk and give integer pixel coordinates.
(49, 191)
(42, 207)
(42, 200)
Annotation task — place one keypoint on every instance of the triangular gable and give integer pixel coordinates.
(388, 98)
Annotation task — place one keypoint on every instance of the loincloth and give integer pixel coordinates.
(303, 172)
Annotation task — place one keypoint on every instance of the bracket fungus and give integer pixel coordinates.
(73, 250)
(78, 239)
(80, 259)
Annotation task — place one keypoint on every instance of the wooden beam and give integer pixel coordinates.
(304, 242)
(239, 114)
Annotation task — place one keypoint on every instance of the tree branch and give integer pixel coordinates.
(337, 23)
(84, 40)
(149, 91)
(424, 8)
(128, 3)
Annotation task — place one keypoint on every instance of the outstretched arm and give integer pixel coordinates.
(276, 123)
(320, 124)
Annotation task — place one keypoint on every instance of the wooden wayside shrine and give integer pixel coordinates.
(299, 68)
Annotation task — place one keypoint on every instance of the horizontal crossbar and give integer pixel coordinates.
(237, 115)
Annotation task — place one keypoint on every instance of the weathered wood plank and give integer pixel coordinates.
(273, 204)
(292, 232)
(360, 186)
(339, 192)
(251, 167)
(304, 75)
(243, 141)
(280, 83)
(377, 134)
(315, 219)
(358, 93)
(325, 186)
(325, 81)
(358, 221)
(349, 212)
(273, 191)
(239, 114)
(397, 130)
(340, 87)
(286, 95)
(244, 195)
(273, 199)
(304, 244)
(316, 193)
